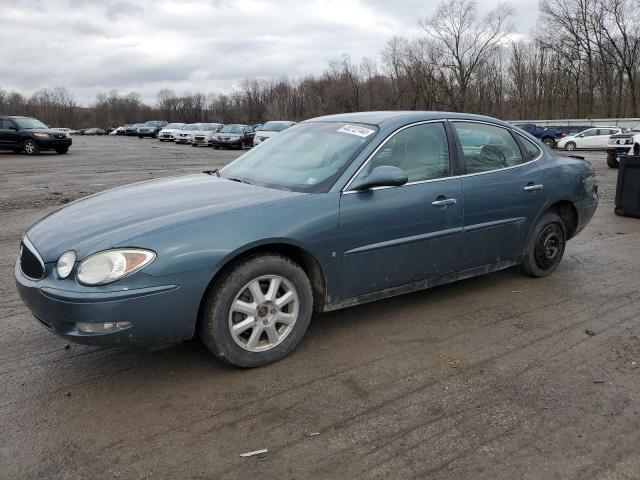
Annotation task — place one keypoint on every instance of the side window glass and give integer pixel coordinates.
(421, 151)
(590, 133)
(530, 148)
(487, 147)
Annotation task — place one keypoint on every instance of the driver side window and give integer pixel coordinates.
(421, 151)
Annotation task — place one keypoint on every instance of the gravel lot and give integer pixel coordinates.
(493, 377)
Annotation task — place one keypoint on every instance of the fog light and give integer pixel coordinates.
(106, 327)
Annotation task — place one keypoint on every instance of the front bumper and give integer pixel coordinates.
(619, 149)
(178, 139)
(226, 143)
(52, 143)
(161, 310)
(201, 141)
(147, 133)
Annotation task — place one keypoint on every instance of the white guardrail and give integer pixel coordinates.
(596, 122)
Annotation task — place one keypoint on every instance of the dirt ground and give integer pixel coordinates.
(493, 377)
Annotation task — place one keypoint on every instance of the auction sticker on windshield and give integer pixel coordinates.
(354, 130)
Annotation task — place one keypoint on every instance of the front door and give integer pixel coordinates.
(503, 193)
(394, 236)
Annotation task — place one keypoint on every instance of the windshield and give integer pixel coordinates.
(175, 125)
(232, 129)
(206, 127)
(274, 126)
(305, 158)
(190, 126)
(29, 123)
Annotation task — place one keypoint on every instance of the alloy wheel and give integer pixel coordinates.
(263, 313)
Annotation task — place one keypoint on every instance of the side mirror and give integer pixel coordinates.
(382, 176)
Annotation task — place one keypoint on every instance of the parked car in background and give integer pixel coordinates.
(151, 128)
(168, 132)
(203, 135)
(119, 130)
(236, 257)
(184, 135)
(234, 136)
(31, 136)
(256, 126)
(132, 130)
(69, 131)
(622, 144)
(569, 129)
(548, 136)
(270, 129)
(596, 138)
(93, 131)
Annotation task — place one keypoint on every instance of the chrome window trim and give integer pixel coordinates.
(27, 243)
(346, 191)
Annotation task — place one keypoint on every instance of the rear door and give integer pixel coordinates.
(9, 136)
(503, 192)
(394, 236)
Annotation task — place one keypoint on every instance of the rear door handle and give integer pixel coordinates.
(532, 187)
(444, 202)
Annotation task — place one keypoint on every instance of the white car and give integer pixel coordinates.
(184, 135)
(168, 132)
(595, 138)
(622, 144)
(68, 131)
(203, 135)
(270, 129)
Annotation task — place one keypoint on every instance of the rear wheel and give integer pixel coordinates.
(258, 311)
(545, 247)
(140, 136)
(571, 146)
(612, 160)
(62, 150)
(549, 142)
(194, 145)
(619, 211)
(30, 147)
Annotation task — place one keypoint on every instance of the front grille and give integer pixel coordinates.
(166, 135)
(199, 138)
(30, 263)
(61, 135)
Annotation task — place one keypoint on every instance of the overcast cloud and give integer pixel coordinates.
(195, 46)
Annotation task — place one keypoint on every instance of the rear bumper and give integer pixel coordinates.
(163, 312)
(586, 209)
(222, 143)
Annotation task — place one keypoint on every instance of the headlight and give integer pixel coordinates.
(111, 265)
(65, 263)
(40, 134)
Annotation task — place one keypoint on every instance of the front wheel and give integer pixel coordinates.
(612, 160)
(30, 147)
(545, 247)
(258, 311)
(570, 146)
(62, 150)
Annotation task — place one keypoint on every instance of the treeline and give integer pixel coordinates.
(583, 61)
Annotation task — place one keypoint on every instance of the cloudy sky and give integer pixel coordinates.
(195, 45)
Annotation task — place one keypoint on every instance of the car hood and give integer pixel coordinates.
(110, 218)
(624, 135)
(45, 130)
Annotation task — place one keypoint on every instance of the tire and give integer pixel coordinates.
(619, 211)
(571, 146)
(161, 140)
(243, 145)
(545, 246)
(549, 142)
(216, 147)
(62, 150)
(612, 160)
(257, 344)
(30, 147)
(194, 145)
(140, 136)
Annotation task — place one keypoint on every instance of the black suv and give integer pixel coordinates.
(31, 136)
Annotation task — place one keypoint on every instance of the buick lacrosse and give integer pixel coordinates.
(333, 212)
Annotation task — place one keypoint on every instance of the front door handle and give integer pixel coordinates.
(444, 202)
(531, 187)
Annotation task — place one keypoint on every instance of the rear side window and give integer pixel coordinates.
(487, 147)
(530, 148)
(421, 151)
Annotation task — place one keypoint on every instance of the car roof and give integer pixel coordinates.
(382, 118)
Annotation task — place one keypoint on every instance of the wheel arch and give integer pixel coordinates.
(568, 212)
(297, 253)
